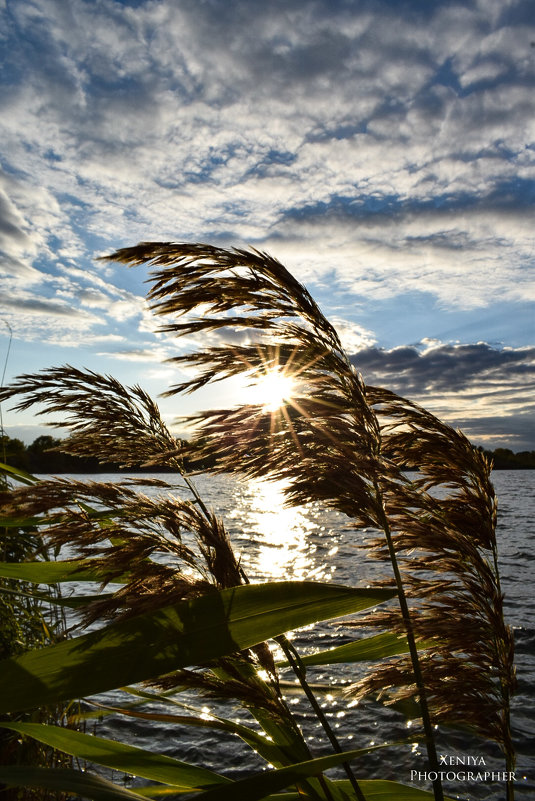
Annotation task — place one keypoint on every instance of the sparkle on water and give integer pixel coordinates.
(278, 536)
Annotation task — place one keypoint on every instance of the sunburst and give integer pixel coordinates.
(272, 389)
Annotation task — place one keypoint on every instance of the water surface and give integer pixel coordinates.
(277, 543)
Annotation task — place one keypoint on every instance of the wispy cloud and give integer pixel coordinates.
(377, 149)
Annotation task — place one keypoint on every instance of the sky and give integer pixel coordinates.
(383, 151)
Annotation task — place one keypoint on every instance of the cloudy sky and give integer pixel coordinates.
(382, 150)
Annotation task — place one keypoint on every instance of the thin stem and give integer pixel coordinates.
(4, 480)
(413, 650)
(506, 693)
(194, 491)
(300, 671)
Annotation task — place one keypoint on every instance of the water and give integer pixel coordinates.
(279, 543)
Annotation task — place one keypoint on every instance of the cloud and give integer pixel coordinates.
(352, 336)
(377, 149)
(16, 247)
(149, 355)
(156, 131)
(120, 308)
(47, 321)
(440, 367)
(485, 390)
(66, 306)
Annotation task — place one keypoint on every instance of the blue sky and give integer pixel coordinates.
(384, 151)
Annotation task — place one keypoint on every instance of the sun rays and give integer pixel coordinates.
(272, 389)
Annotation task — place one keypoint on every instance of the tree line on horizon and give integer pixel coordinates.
(42, 457)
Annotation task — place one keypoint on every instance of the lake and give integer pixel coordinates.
(275, 542)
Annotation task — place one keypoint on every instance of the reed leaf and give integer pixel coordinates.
(128, 758)
(259, 743)
(19, 475)
(61, 780)
(258, 786)
(50, 572)
(380, 646)
(374, 790)
(189, 633)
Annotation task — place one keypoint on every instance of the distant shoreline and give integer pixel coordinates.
(44, 456)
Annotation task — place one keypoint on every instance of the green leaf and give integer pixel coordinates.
(71, 602)
(189, 633)
(385, 790)
(262, 784)
(373, 789)
(20, 475)
(378, 647)
(261, 744)
(50, 572)
(127, 758)
(20, 522)
(161, 791)
(381, 790)
(65, 780)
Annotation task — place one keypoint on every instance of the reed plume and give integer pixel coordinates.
(122, 534)
(334, 440)
(341, 442)
(445, 534)
(118, 531)
(106, 419)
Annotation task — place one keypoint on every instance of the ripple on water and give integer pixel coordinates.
(276, 543)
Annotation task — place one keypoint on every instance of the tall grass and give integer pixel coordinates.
(193, 621)
(27, 621)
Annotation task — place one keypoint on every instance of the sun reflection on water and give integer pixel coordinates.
(279, 536)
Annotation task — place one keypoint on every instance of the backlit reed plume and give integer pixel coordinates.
(106, 420)
(333, 440)
(444, 524)
(119, 530)
(346, 444)
(122, 533)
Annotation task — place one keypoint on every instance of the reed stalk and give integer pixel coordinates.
(413, 649)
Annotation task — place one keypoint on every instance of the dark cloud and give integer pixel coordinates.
(42, 306)
(501, 431)
(450, 368)
(9, 223)
(505, 196)
(485, 391)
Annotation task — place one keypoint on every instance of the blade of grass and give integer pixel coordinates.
(374, 790)
(188, 633)
(20, 475)
(73, 602)
(379, 646)
(264, 747)
(259, 785)
(86, 785)
(50, 572)
(112, 754)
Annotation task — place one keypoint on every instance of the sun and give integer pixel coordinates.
(273, 389)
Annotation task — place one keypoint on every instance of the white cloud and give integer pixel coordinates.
(47, 321)
(387, 152)
(352, 336)
(153, 354)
